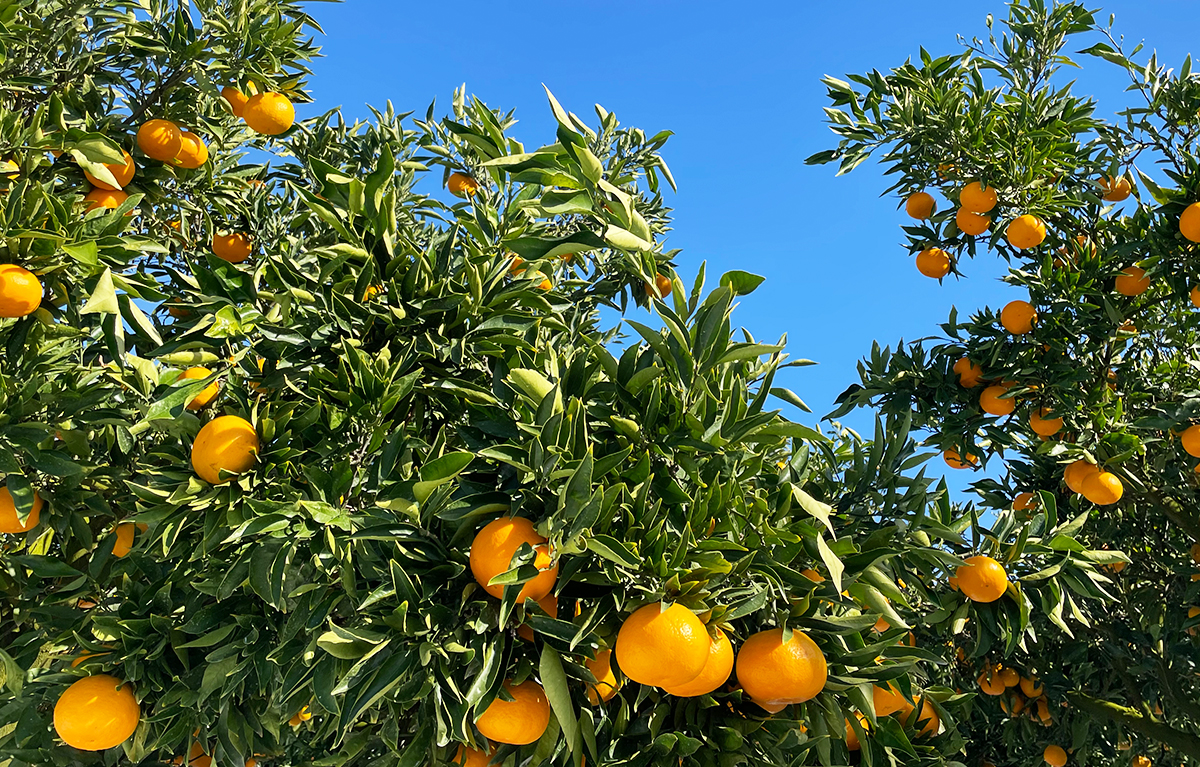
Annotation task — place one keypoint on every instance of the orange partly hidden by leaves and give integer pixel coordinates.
(606, 680)
(662, 648)
(207, 394)
(228, 443)
(124, 539)
(549, 605)
(1115, 190)
(968, 372)
(493, 549)
(1042, 424)
(990, 684)
(104, 198)
(234, 247)
(716, 669)
(461, 185)
(96, 713)
(774, 672)
(269, 113)
(122, 173)
(471, 757)
(1132, 281)
(519, 721)
(1189, 222)
(661, 288)
(9, 522)
(159, 140)
(20, 291)
(982, 579)
(1190, 439)
(933, 262)
(955, 460)
(1024, 502)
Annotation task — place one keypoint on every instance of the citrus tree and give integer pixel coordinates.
(303, 465)
(1080, 395)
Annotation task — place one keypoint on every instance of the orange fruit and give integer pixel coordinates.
(606, 681)
(1055, 756)
(933, 262)
(715, 672)
(982, 579)
(549, 605)
(544, 282)
(301, 716)
(104, 198)
(192, 151)
(920, 205)
(269, 113)
(124, 535)
(1024, 501)
(1076, 472)
(888, 700)
(1009, 677)
(96, 713)
(1026, 232)
(1030, 687)
(662, 648)
(1140, 761)
(159, 139)
(123, 173)
(852, 742)
(493, 549)
(661, 288)
(1043, 425)
(461, 185)
(1013, 704)
(1195, 553)
(234, 248)
(228, 443)
(1132, 281)
(927, 714)
(1194, 295)
(990, 684)
(993, 401)
(971, 223)
(774, 672)
(1189, 222)
(1018, 317)
(515, 265)
(20, 291)
(814, 576)
(9, 522)
(1043, 712)
(467, 757)
(520, 721)
(237, 99)
(977, 198)
(207, 394)
(952, 581)
(955, 460)
(1102, 488)
(968, 373)
(1190, 438)
(1115, 189)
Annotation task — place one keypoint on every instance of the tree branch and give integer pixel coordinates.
(1138, 722)
(155, 95)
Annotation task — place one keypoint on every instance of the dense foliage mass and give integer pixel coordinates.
(303, 465)
(1081, 395)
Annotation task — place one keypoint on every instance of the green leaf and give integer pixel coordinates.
(613, 550)
(741, 283)
(554, 681)
(104, 297)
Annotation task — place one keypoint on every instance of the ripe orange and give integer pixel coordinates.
(982, 579)
(549, 605)
(234, 248)
(9, 522)
(192, 151)
(104, 198)
(1189, 222)
(1077, 472)
(123, 173)
(520, 721)
(1024, 501)
(888, 701)
(990, 684)
(1141, 761)
(1043, 712)
(716, 670)
(1102, 488)
(96, 713)
(237, 99)
(228, 443)
(1055, 756)
(159, 139)
(774, 672)
(920, 205)
(971, 223)
(124, 543)
(1013, 704)
(1115, 189)
(1132, 281)
(467, 757)
(662, 648)
(977, 198)
(1042, 425)
(1194, 295)
(493, 549)
(816, 577)
(1018, 317)
(933, 262)
(1026, 232)
(461, 185)
(606, 681)
(207, 394)
(269, 113)
(301, 716)
(955, 460)
(515, 265)
(1030, 687)
(1010, 677)
(544, 282)
(20, 291)
(993, 402)
(968, 373)
(661, 288)
(1195, 553)
(927, 714)
(1191, 440)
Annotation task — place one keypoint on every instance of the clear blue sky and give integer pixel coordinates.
(739, 86)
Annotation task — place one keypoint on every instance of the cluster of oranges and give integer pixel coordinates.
(1019, 695)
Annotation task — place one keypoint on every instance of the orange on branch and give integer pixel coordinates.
(159, 139)
(96, 713)
(774, 672)
(461, 185)
(207, 394)
(1115, 189)
(104, 198)
(661, 288)
(549, 605)
(492, 551)
(520, 721)
(662, 648)
(993, 402)
(977, 198)
(1024, 501)
(606, 680)
(920, 205)
(1018, 317)
(956, 460)
(969, 374)
(1189, 222)
(1132, 281)
(1042, 424)
(269, 114)
(234, 247)
(715, 672)
(20, 291)
(982, 579)
(237, 100)
(971, 223)
(9, 521)
(1102, 488)
(1076, 472)
(1055, 756)
(1026, 232)
(122, 173)
(228, 443)
(124, 533)
(192, 151)
(934, 263)
(1191, 440)
(1030, 687)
